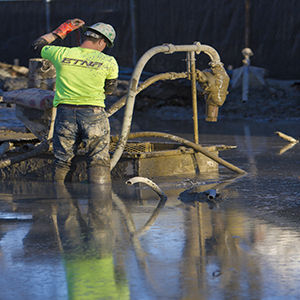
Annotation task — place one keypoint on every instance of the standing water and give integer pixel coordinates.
(82, 241)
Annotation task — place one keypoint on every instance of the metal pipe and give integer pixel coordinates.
(247, 22)
(190, 144)
(247, 52)
(132, 91)
(133, 30)
(52, 122)
(47, 12)
(194, 96)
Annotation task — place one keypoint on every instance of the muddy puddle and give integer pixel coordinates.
(84, 242)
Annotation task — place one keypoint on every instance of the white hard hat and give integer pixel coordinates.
(105, 29)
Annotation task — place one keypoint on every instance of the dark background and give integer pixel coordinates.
(274, 30)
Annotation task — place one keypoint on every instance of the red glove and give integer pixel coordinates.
(68, 27)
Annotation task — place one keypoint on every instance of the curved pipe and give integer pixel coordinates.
(160, 205)
(132, 91)
(150, 183)
(163, 76)
(190, 144)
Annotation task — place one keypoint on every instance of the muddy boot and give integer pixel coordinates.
(60, 172)
(99, 174)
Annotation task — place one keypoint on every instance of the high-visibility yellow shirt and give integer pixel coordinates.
(80, 74)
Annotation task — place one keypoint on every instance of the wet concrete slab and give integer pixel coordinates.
(80, 240)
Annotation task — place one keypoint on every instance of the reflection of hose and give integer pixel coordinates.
(128, 218)
(131, 229)
(140, 254)
(189, 144)
(134, 234)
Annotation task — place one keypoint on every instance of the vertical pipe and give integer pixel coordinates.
(47, 13)
(133, 30)
(194, 95)
(247, 23)
(51, 125)
(188, 65)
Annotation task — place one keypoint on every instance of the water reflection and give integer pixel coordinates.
(81, 241)
(87, 242)
(77, 231)
(220, 262)
(286, 148)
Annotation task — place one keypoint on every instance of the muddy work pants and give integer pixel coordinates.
(86, 125)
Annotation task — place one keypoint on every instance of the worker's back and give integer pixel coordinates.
(81, 74)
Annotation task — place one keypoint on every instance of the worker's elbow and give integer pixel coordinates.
(110, 86)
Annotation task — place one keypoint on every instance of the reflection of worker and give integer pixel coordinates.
(87, 244)
(84, 75)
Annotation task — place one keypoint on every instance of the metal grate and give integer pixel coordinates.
(133, 147)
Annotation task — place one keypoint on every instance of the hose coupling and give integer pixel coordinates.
(198, 44)
(214, 64)
(171, 47)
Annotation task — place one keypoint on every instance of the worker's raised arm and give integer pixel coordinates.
(60, 32)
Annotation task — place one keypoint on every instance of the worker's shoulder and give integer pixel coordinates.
(49, 47)
(53, 49)
(109, 59)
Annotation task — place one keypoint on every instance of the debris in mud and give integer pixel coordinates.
(216, 273)
(292, 142)
(210, 196)
(14, 70)
(13, 77)
(286, 137)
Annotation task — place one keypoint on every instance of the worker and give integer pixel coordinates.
(84, 76)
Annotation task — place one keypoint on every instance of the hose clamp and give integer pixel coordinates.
(198, 44)
(171, 47)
